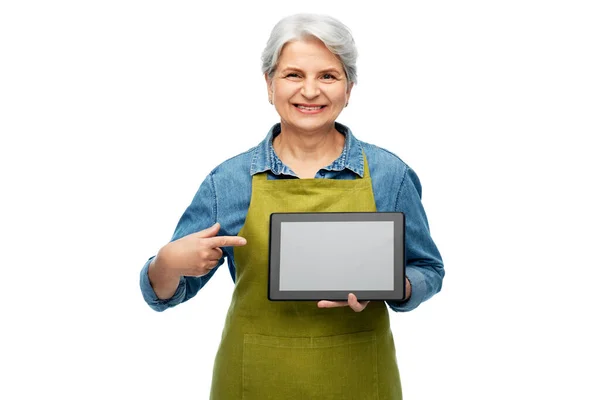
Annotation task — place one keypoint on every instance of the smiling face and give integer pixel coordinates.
(309, 87)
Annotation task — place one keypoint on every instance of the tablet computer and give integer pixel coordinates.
(326, 256)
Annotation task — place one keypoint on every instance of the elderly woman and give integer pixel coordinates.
(297, 350)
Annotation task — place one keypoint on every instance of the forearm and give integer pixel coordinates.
(162, 291)
(163, 282)
(158, 304)
(424, 265)
(425, 281)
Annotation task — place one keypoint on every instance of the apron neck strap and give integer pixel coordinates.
(366, 173)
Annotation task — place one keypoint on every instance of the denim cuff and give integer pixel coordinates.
(418, 291)
(150, 296)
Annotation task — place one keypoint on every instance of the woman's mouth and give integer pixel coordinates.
(309, 108)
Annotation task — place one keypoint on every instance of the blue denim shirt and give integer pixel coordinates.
(224, 196)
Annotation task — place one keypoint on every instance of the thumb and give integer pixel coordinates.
(210, 231)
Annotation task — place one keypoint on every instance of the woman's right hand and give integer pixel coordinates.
(195, 254)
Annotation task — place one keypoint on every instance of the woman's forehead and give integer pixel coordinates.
(308, 53)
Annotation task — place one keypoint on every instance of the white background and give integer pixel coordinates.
(112, 113)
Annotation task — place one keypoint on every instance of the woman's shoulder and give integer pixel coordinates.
(236, 165)
(382, 158)
(388, 170)
(246, 163)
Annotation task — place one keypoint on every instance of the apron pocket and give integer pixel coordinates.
(325, 368)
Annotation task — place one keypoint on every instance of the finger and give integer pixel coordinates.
(331, 304)
(219, 253)
(225, 241)
(212, 254)
(201, 270)
(355, 304)
(211, 231)
(209, 265)
(361, 306)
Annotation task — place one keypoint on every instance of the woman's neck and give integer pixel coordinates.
(308, 147)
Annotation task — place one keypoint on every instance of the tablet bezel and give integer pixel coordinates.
(274, 292)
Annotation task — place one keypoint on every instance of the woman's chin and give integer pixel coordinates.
(310, 124)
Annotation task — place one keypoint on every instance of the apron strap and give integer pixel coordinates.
(366, 173)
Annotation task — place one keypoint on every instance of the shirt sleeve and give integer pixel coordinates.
(200, 214)
(424, 266)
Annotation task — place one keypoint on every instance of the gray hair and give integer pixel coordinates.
(335, 35)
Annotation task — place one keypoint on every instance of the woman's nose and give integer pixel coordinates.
(310, 89)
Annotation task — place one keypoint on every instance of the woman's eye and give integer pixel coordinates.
(292, 75)
(328, 76)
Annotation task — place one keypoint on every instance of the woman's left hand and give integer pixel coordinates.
(353, 302)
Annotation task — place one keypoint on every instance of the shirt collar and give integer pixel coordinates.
(265, 158)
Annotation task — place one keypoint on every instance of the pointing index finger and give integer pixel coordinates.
(225, 241)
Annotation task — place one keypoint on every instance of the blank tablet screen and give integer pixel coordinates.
(325, 256)
(308, 260)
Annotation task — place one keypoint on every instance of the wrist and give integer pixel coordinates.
(407, 289)
(159, 267)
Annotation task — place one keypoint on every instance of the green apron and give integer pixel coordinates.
(293, 349)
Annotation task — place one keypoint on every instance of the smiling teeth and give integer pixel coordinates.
(310, 108)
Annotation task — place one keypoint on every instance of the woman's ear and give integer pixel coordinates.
(269, 83)
(348, 90)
